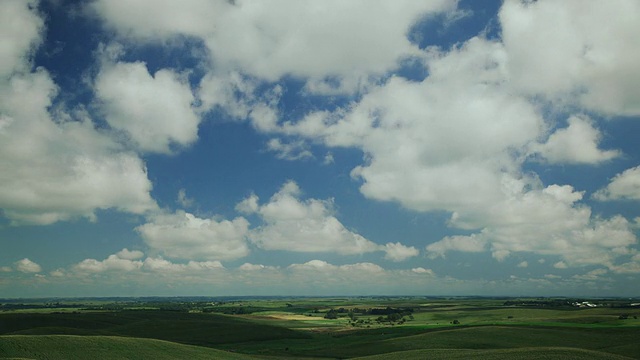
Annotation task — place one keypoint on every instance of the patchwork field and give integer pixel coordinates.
(329, 328)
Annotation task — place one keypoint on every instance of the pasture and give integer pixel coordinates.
(327, 328)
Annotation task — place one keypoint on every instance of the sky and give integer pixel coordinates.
(288, 147)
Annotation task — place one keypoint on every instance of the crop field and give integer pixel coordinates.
(321, 328)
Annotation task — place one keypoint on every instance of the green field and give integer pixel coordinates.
(330, 328)
(103, 347)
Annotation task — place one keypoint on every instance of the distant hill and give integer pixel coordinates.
(71, 347)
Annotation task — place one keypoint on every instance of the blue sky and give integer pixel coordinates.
(319, 148)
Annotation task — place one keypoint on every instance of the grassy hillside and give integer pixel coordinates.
(616, 341)
(508, 354)
(297, 328)
(71, 347)
(194, 329)
(620, 341)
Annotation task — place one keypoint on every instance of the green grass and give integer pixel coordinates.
(508, 354)
(486, 330)
(194, 329)
(54, 347)
(616, 341)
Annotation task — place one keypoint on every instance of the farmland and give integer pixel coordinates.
(330, 328)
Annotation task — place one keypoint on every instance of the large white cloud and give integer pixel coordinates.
(183, 235)
(348, 40)
(577, 143)
(443, 143)
(126, 261)
(563, 51)
(398, 252)
(625, 185)
(292, 224)
(457, 141)
(547, 221)
(27, 266)
(302, 225)
(155, 111)
(55, 164)
(20, 33)
(58, 168)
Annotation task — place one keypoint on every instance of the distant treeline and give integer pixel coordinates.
(555, 303)
(20, 306)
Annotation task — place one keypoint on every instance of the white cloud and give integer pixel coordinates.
(547, 221)
(625, 185)
(129, 254)
(27, 266)
(630, 267)
(398, 252)
(472, 243)
(555, 50)
(20, 33)
(560, 265)
(123, 260)
(326, 268)
(58, 273)
(185, 236)
(56, 165)
(328, 159)
(523, 264)
(6, 269)
(111, 263)
(131, 262)
(443, 143)
(302, 225)
(592, 275)
(255, 267)
(183, 200)
(155, 111)
(421, 270)
(296, 150)
(577, 143)
(298, 38)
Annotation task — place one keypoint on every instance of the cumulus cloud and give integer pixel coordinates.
(421, 270)
(543, 220)
(555, 51)
(255, 267)
(575, 144)
(165, 266)
(625, 185)
(398, 252)
(592, 275)
(129, 254)
(20, 34)
(56, 165)
(560, 265)
(56, 169)
(523, 264)
(472, 243)
(155, 111)
(132, 262)
(297, 150)
(630, 267)
(27, 266)
(285, 37)
(183, 200)
(299, 225)
(325, 267)
(111, 263)
(442, 143)
(183, 235)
